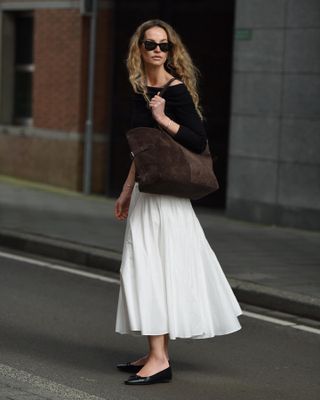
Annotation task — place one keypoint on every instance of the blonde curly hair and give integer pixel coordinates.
(179, 63)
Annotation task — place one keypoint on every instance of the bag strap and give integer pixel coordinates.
(165, 87)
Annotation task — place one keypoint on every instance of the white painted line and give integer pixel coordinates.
(30, 385)
(281, 322)
(267, 318)
(307, 329)
(117, 281)
(59, 268)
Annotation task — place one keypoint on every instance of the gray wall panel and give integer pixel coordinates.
(303, 13)
(262, 53)
(256, 179)
(251, 210)
(301, 96)
(300, 141)
(264, 213)
(254, 137)
(302, 50)
(256, 93)
(299, 185)
(260, 13)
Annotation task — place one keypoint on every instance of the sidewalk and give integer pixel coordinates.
(273, 267)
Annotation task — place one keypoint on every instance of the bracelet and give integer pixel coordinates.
(169, 123)
(129, 186)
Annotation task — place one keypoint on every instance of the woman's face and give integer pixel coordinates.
(154, 57)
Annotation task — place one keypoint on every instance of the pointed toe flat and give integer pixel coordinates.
(128, 367)
(160, 377)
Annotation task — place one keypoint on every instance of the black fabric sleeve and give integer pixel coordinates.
(191, 133)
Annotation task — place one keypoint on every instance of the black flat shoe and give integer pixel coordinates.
(160, 377)
(128, 367)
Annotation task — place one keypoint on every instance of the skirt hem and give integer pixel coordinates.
(137, 332)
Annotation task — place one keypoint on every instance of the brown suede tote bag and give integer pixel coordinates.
(164, 166)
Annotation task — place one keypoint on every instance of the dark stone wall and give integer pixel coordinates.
(274, 162)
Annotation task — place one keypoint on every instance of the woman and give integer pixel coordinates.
(172, 285)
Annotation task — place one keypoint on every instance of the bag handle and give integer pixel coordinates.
(165, 87)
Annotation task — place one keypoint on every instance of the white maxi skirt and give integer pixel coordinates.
(170, 278)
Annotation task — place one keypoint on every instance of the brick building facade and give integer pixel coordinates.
(48, 146)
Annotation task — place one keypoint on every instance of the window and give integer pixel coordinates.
(23, 68)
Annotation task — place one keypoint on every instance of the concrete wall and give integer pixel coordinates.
(274, 151)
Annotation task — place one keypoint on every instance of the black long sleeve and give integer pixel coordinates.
(180, 108)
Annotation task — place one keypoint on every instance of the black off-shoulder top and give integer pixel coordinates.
(180, 108)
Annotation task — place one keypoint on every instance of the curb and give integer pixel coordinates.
(87, 256)
(109, 260)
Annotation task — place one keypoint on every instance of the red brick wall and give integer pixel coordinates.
(57, 79)
(103, 70)
(54, 162)
(61, 49)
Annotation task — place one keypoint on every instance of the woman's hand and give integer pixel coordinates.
(122, 205)
(157, 105)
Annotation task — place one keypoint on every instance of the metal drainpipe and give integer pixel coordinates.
(89, 121)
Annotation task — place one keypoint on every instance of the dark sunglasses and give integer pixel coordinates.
(151, 45)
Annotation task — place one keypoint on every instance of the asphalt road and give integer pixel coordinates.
(59, 327)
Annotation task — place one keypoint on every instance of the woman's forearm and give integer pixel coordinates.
(169, 125)
(129, 183)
